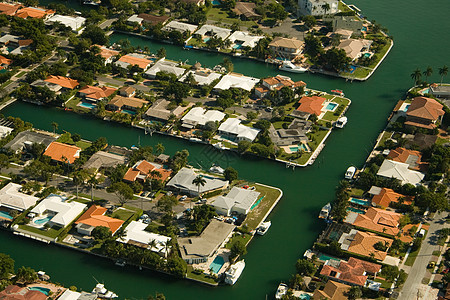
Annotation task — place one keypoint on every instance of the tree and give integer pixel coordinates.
(416, 75)
(243, 146)
(428, 72)
(177, 91)
(354, 293)
(309, 21)
(79, 178)
(443, 72)
(166, 203)
(237, 249)
(26, 275)
(158, 296)
(251, 115)
(6, 266)
(92, 182)
(305, 267)
(4, 161)
(55, 126)
(122, 190)
(95, 34)
(389, 272)
(262, 124)
(161, 52)
(336, 59)
(199, 181)
(101, 233)
(230, 174)
(227, 64)
(160, 148)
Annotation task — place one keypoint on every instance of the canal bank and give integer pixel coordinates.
(295, 226)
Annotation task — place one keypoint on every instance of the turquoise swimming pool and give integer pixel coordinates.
(43, 290)
(331, 106)
(356, 210)
(256, 203)
(43, 221)
(217, 264)
(130, 112)
(215, 2)
(298, 148)
(367, 55)
(206, 39)
(360, 201)
(87, 105)
(237, 46)
(5, 215)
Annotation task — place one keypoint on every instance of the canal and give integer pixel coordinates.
(419, 42)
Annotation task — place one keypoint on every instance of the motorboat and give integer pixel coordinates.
(120, 263)
(196, 140)
(281, 291)
(263, 228)
(340, 123)
(103, 293)
(234, 272)
(216, 169)
(325, 212)
(338, 92)
(290, 67)
(220, 146)
(350, 172)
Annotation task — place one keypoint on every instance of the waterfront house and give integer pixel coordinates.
(317, 7)
(142, 170)
(382, 197)
(238, 200)
(410, 157)
(62, 152)
(24, 141)
(439, 90)
(355, 47)
(135, 234)
(293, 135)
(95, 217)
(151, 20)
(76, 24)
(208, 31)
(312, 105)
(233, 129)
(128, 103)
(353, 272)
(195, 2)
(34, 12)
(400, 171)
(180, 27)
(202, 76)
(346, 23)
(58, 210)
(234, 80)
(71, 295)
(96, 93)
(108, 54)
(13, 292)
(420, 141)
(343, 34)
(275, 84)
(198, 249)
(286, 47)
(56, 88)
(5, 131)
(379, 220)
(182, 183)
(9, 9)
(362, 243)
(198, 116)
(160, 110)
(65, 82)
(164, 66)
(5, 62)
(332, 291)
(127, 91)
(134, 59)
(12, 199)
(240, 39)
(424, 113)
(246, 10)
(102, 159)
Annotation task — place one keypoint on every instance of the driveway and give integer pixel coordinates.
(120, 83)
(289, 27)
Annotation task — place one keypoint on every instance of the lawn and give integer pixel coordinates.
(239, 237)
(330, 116)
(219, 15)
(258, 213)
(123, 214)
(316, 138)
(51, 233)
(199, 277)
(356, 192)
(412, 257)
(88, 196)
(384, 284)
(21, 74)
(386, 135)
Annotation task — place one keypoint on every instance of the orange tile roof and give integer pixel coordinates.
(379, 220)
(425, 108)
(106, 52)
(152, 19)
(96, 92)
(402, 154)
(14, 292)
(281, 81)
(145, 168)
(66, 82)
(131, 175)
(352, 271)
(165, 173)
(311, 105)
(59, 152)
(120, 101)
(9, 9)
(33, 12)
(94, 217)
(386, 196)
(141, 62)
(333, 290)
(363, 244)
(5, 61)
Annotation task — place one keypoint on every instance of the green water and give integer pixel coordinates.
(294, 221)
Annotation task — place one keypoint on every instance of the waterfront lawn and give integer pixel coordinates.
(259, 212)
(356, 192)
(386, 135)
(222, 16)
(200, 277)
(330, 116)
(51, 233)
(83, 144)
(245, 238)
(316, 138)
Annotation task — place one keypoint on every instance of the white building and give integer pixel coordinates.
(180, 26)
(200, 116)
(243, 39)
(182, 183)
(233, 128)
(69, 295)
(211, 30)
(164, 66)
(400, 171)
(4, 131)
(62, 213)
(135, 19)
(74, 23)
(202, 76)
(317, 7)
(12, 198)
(234, 80)
(238, 200)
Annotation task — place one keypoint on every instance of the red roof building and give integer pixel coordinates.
(386, 196)
(143, 170)
(276, 83)
(62, 152)
(95, 93)
(5, 61)
(410, 157)
(14, 292)
(311, 104)
(9, 9)
(95, 217)
(379, 220)
(332, 291)
(353, 272)
(34, 12)
(424, 112)
(65, 82)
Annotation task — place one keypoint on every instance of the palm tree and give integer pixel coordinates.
(198, 182)
(326, 8)
(443, 72)
(93, 184)
(78, 178)
(55, 126)
(416, 76)
(428, 72)
(160, 148)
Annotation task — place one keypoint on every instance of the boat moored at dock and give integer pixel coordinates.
(234, 272)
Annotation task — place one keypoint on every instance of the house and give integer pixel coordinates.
(286, 47)
(102, 159)
(275, 84)
(234, 80)
(420, 141)
(195, 2)
(5, 62)
(333, 291)
(347, 23)
(96, 93)
(56, 88)
(180, 27)
(182, 183)
(312, 105)
(26, 139)
(200, 116)
(384, 196)
(143, 170)
(353, 272)
(208, 31)
(424, 113)
(12, 198)
(362, 243)
(34, 12)
(70, 295)
(60, 211)
(240, 39)
(129, 103)
(439, 90)
(317, 7)
(233, 128)
(64, 82)
(400, 171)
(127, 91)
(9, 39)
(164, 66)
(355, 47)
(13, 292)
(151, 20)
(9, 9)
(238, 200)
(295, 133)
(246, 10)
(202, 76)
(379, 220)
(62, 152)
(198, 249)
(108, 54)
(135, 234)
(160, 111)
(74, 23)
(95, 217)
(410, 157)
(5, 131)
(134, 59)
(343, 34)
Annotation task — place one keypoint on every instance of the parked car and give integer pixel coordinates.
(183, 198)
(431, 264)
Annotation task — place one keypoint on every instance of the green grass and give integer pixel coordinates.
(51, 233)
(88, 196)
(122, 214)
(21, 74)
(412, 257)
(84, 201)
(384, 284)
(436, 253)
(199, 277)
(356, 192)
(83, 144)
(441, 141)
(239, 237)
(386, 135)
(220, 15)
(257, 214)
(318, 137)
(330, 116)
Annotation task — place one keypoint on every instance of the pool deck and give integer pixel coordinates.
(56, 291)
(224, 253)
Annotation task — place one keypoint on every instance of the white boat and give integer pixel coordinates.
(290, 67)
(193, 139)
(233, 273)
(216, 169)
(220, 146)
(103, 293)
(262, 229)
(281, 291)
(340, 123)
(350, 172)
(120, 263)
(324, 213)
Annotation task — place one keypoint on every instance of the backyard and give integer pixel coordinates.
(259, 212)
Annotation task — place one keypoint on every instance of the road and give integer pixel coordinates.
(107, 23)
(120, 83)
(413, 284)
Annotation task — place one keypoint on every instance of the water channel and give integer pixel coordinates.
(420, 40)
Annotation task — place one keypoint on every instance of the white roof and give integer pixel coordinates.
(180, 26)
(4, 131)
(19, 50)
(203, 77)
(244, 38)
(214, 31)
(375, 190)
(9, 38)
(12, 198)
(135, 231)
(135, 18)
(165, 66)
(183, 180)
(400, 171)
(65, 212)
(69, 295)
(236, 81)
(237, 198)
(198, 115)
(234, 126)
(75, 23)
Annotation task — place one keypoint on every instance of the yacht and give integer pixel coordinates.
(350, 172)
(233, 273)
(290, 67)
(338, 92)
(220, 146)
(103, 293)
(262, 229)
(325, 212)
(216, 169)
(340, 123)
(281, 291)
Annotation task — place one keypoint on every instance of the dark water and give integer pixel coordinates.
(420, 40)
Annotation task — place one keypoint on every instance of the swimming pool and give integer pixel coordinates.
(331, 106)
(364, 29)
(43, 290)
(217, 264)
(130, 112)
(360, 201)
(356, 210)
(87, 105)
(324, 257)
(42, 221)
(215, 2)
(305, 297)
(256, 203)
(5, 215)
(298, 148)
(425, 91)
(367, 55)
(206, 39)
(237, 46)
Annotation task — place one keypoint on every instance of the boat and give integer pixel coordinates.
(338, 92)
(103, 293)
(216, 169)
(290, 67)
(90, 2)
(350, 172)
(340, 123)
(325, 212)
(120, 263)
(220, 146)
(233, 273)
(281, 291)
(262, 229)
